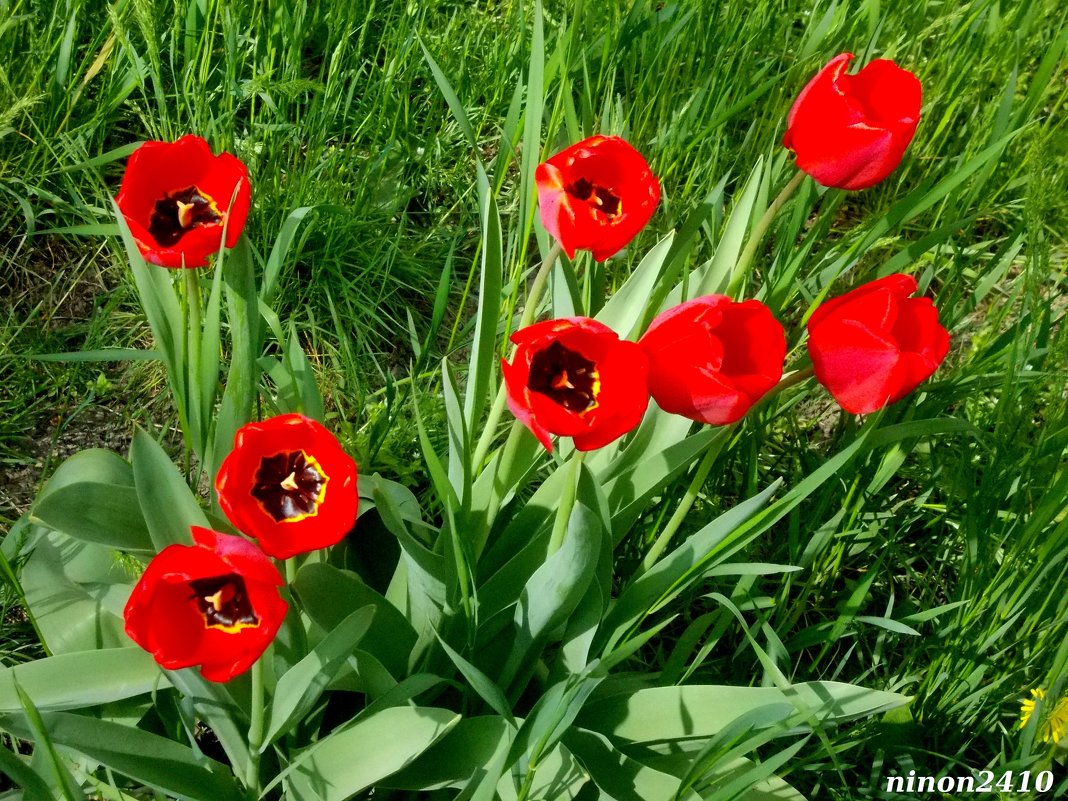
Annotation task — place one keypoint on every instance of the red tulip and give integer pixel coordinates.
(289, 484)
(874, 345)
(850, 131)
(711, 359)
(596, 195)
(214, 604)
(575, 377)
(176, 198)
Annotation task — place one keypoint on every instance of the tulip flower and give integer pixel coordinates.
(288, 484)
(215, 604)
(176, 199)
(874, 345)
(850, 131)
(711, 358)
(575, 377)
(596, 195)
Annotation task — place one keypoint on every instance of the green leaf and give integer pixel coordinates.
(552, 593)
(145, 757)
(472, 745)
(107, 514)
(480, 683)
(329, 595)
(716, 274)
(76, 592)
(678, 569)
(110, 674)
(168, 505)
(280, 250)
(359, 756)
(61, 778)
(695, 712)
(34, 788)
(299, 688)
(624, 310)
(622, 778)
(483, 363)
(213, 704)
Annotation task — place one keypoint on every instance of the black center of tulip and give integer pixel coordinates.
(178, 212)
(289, 486)
(597, 196)
(567, 377)
(223, 601)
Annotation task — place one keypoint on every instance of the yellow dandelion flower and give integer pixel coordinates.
(1055, 725)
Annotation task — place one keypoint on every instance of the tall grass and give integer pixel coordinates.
(937, 567)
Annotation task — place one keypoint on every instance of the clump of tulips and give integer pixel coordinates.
(425, 681)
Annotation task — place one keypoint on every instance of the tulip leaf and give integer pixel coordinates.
(213, 703)
(110, 674)
(554, 590)
(483, 364)
(715, 275)
(91, 497)
(384, 742)
(157, 761)
(168, 505)
(91, 511)
(282, 243)
(75, 591)
(619, 776)
(664, 715)
(329, 595)
(674, 572)
(299, 688)
(624, 310)
(474, 745)
(34, 788)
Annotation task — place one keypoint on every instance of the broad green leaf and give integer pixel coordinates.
(106, 514)
(624, 310)
(553, 592)
(329, 595)
(480, 683)
(91, 465)
(214, 705)
(677, 569)
(280, 250)
(91, 497)
(694, 712)
(716, 274)
(472, 744)
(34, 788)
(558, 777)
(621, 777)
(145, 757)
(76, 592)
(168, 505)
(299, 688)
(359, 756)
(58, 774)
(419, 583)
(483, 364)
(106, 675)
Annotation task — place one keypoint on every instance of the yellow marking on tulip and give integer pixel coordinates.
(562, 381)
(185, 213)
(290, 482)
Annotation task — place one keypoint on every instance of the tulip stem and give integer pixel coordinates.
(701, 474)
(255, 729)
(741, 268)
(193, 327)
(567, 502)
(529, 312)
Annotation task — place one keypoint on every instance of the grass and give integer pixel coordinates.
(937, 567)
